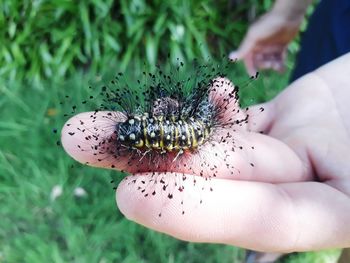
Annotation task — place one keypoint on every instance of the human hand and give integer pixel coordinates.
(295, 198)
(265, 44)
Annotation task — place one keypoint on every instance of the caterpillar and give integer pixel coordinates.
(168, 127)
(164, 122)
(163, 133)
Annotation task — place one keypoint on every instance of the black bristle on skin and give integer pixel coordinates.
(159, 121)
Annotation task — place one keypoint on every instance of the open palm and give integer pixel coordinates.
(294, 197)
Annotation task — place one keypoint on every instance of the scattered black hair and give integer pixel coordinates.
(166, 121)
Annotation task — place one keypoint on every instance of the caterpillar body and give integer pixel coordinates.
(162, 133)
(174, 124)
(167, 129)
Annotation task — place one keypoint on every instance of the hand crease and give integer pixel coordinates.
(289, 200)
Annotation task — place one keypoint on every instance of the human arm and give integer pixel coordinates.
(266, 41)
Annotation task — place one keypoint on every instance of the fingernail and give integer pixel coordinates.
(234, 55)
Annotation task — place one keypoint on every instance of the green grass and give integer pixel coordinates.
(46, 39)
(34, 228)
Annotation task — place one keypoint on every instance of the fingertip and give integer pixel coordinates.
(84, 135)
(125, 198)
(279, 67)
(250, 66)
(175, 216)
(234, 55)
(261, 117)
(142, 200)
(224, 95)
(70, 136)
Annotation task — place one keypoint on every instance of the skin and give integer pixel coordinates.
(265, 44)
(295, 198)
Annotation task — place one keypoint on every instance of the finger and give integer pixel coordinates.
(270, 58)
(250, 64)
(278, 66)
(248, 61)
(281, 67)
(224, 96)
(267, 156)
(234, 55)
(88, 138)
(245, 52)
(236, 155)
(269, 64)
(261, 117)
(258, 216)
(247, 46)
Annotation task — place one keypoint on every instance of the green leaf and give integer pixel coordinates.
(113, 43)
(151, 49)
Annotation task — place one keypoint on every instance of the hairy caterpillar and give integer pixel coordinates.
(167, 122)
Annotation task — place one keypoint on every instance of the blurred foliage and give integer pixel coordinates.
(44, 39)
